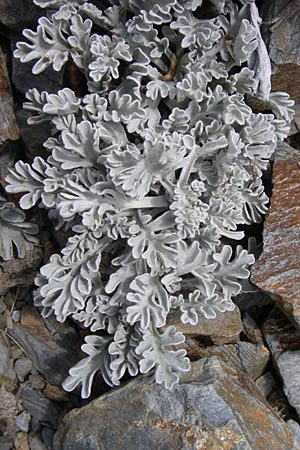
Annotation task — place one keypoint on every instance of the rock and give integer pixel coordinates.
(49, 355)
(19, 14)
(36, 381)
(295, 430)
(23, 368)
(47, 436)
(22, 421)
(277, 271)
(283, 340)
(213, 407)
(35, 442)
(20, 271)
(249, 300)
(38, 406)
(21, 441)
(6, 363)
(8, 126)
(251, 330)
(8, 410)
(226, 327)
(283, 44)
(266, 383)
(246, 357)
(55, 393)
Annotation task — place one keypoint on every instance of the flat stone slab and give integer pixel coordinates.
(283, 340)
(277, 270)
(214, 407)
(8, 126)
(224, 328)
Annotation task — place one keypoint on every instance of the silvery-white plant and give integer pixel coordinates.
(152, 168)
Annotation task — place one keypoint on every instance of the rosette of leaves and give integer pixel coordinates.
(159, 161)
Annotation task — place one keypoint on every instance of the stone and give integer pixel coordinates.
(8, 126)
(283, 340)
(37, 381)
(245, 356)
(19, 271)
(47, 435)
(19, 13)
(55, 393)
(8, 410)
(22, 421)
(38, 406)
(6, 363)
(251, 330)
(277, 270)
(21, 441)
(266, 383)
(49, 355)
(295, 430)
(35, 442)
(213, 407)
(283, 44)
(226, 327)
(23, 368)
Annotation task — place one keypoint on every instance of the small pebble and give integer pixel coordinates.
(37, 381)
(16, 315)
(22, 421)
(23, 367)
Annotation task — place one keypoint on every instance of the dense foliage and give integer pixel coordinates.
(152, 167)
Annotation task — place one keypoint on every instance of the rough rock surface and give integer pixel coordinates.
(283, 20)
(49, 355)
(245, 356)
(18, 14)
(226, 327)
(277, 270)
(284, 342)
(214, 407)
(16, 272)
(8, 126)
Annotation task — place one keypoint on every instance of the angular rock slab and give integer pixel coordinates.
(214, 407)
(277, 270)
(225, 327)
(283, 44)
(8, 126)
(284, 343)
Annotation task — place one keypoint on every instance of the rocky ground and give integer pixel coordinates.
(244, 389)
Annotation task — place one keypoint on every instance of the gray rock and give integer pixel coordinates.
(49, 355)
(23, 368)
(244, 356)
(213, 405)
(266, 383)
(8, 126)
(283, 340)
(6, 363)
(295, 430)
(22, 421)
(19, 13)
(39, 407)
(225, 327)
(35, 442)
